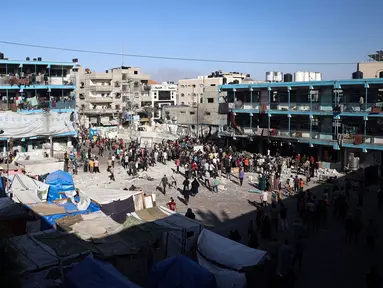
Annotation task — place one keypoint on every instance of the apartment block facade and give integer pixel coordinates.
(319, 117)
(104, 97)
(197, 101)
(34, 95)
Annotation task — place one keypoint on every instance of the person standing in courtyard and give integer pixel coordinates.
(241, 176)
(111, 176)
(264, 197)
(164, 182)
(172, 205)
(190, 214)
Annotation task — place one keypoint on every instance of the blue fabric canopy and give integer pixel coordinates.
(59, 181)
(181, 272)
(96, 274)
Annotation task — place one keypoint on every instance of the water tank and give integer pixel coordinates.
(270, 76)
(299, 76)
(381, 74)
(318, 76)
(287, 77)
(357, 75)
(311, 76)
(27, 59)
(39, 59)
(278, 76)
(1, 56)
(306, 76)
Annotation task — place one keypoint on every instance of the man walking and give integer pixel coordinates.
(164, 182)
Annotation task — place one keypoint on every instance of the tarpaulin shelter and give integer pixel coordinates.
(96, 274)
(226, 259)
(59, 181)
(180, 271)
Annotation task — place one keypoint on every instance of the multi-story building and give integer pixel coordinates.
(103, 97)
(32, 91)
(164, 94)
(197, 101)
(324, 118)
(191, 90)
(374, 68)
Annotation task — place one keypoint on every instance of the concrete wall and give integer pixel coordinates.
(370, 69)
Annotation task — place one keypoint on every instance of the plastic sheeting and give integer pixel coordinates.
(216, 252)
(19, 125)
(27, 190)
(59, 181)
(180, 271)
(107, 195)
(96, 274)
(32, 254)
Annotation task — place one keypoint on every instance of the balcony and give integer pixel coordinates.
(101, 88)
(28, 106)
(100, 76)
(100, 99)
(31, 80)
(104, 111)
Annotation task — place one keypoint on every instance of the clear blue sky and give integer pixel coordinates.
(277, 31)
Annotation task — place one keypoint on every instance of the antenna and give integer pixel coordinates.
(122, 54)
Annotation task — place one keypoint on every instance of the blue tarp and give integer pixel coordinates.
(59, 181)
(49, 221)
(96, 274)
(180, 271)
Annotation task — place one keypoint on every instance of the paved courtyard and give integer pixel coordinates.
(328, 261)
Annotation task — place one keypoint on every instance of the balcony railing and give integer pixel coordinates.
(71, 104)
(99, 111)
(100, 99)
(35, 80)
(101, 88)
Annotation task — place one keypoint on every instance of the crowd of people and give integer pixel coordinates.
(206, 164)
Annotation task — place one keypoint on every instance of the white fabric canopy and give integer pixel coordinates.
(213, 248)
(19, 125)
(106, 195)
(27, 190)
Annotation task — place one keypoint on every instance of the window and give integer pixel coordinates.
(182, 94)
(212, 85)
(192, 112)
(210, 100)
(201, 100)
(135, 72)
(117, 107)
(124, 87)
(207, 113)
(182, 112)
(164, 95)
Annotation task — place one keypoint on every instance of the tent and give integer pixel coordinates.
(180, 271)
(215, 253)
(27, 190)
(96, 274)
(183, 235)
(59, 181)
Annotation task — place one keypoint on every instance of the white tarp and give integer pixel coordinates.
(213, 248)
(19, 125)
(27, 190)
(183, 234)
(106, 195)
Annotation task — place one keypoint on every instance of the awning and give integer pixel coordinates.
(104, 122)
(113, 122)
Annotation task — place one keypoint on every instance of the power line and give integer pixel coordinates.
(174, 58)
